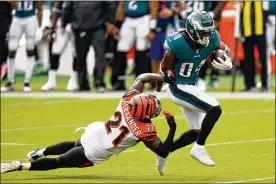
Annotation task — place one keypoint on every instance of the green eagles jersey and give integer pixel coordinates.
(188, 61)
(136, 8)
(25, 9)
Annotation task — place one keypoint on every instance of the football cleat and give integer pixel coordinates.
(9, 87)
(27, 87)
(48, 86)
(9, 167)
(72, 84)
(160, 164)
(199, 153)
(33, 155)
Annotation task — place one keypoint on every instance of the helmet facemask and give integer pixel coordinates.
(199, 33)
(158, 107)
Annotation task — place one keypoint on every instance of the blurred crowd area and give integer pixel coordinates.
(121, 41)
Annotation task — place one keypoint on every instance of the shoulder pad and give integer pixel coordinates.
(174, 42)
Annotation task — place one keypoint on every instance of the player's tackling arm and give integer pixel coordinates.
(140, 81)
(156, 145)
(39, 13)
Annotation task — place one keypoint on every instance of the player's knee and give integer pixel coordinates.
(216, 110)
(13, 44)
(30, 44)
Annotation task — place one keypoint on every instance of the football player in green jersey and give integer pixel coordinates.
(186, 52)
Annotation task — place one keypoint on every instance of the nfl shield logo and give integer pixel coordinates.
(197, 53)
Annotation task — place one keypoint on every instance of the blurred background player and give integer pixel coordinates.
(90, 21)
(186, 52)
(214, 9)
(24, 22)
(167, 11)
(60, 42)
(137, 21)
(130, 124)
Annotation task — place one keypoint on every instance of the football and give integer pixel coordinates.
(218, 53)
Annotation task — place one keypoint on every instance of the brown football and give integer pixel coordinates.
(218, 53)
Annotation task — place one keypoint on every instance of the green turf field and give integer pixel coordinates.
(242, 143)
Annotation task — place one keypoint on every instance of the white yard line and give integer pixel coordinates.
(212, 144)
(14, 144)
(249, 180)
(109, 95)
(224, 143)
(158, 118)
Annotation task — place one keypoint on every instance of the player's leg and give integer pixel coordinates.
(98, 42)
(142, 61)
(192, 98)
(73, 158)
(30, 31)
(125, 42)
(190, 136)
(56, 149)
(59, 45)
(73, 81)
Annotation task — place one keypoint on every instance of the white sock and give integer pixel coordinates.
(52, 75)
(11, 69)
(199, 146)
(74, 76)
(26, 166)
(40, 152)
(29, 69)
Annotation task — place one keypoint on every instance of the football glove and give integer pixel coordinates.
(170, 120)
(169, 77)
(223, 64)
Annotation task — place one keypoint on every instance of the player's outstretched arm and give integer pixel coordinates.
(140, 81)
(163, 149)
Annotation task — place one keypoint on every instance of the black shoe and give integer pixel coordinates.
(9, 87)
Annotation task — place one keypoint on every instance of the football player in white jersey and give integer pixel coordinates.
(60, 42)
(24, 22)
(130, 124)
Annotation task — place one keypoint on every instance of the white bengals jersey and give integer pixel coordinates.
(122, 131)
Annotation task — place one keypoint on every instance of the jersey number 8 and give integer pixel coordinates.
(115, 124)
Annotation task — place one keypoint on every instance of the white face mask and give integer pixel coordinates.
(204, 41)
